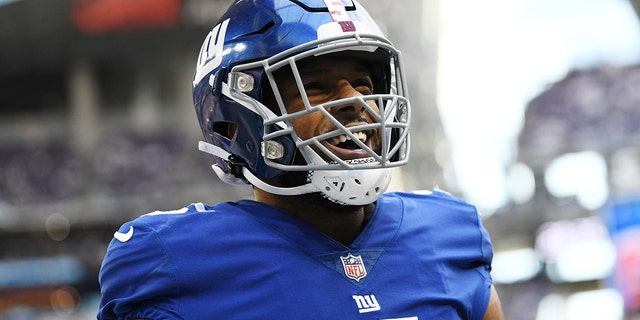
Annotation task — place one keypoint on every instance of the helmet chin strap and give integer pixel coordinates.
(248, 175)
(349, 187)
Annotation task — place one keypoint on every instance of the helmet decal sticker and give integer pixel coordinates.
(211, 52)
(337, 10)
(347, 26)
(340, 16)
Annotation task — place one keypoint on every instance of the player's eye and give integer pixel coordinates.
(314, 87)
(363, 86)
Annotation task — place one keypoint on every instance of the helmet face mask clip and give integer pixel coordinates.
(265, 141)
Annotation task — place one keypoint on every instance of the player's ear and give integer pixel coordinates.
(225, 129)
(231, 129)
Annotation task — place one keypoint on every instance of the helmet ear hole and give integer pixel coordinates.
(225, 129)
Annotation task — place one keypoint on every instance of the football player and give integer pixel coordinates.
(306, 102)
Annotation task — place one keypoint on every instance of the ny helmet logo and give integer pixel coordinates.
(212, 51)
(353, 267)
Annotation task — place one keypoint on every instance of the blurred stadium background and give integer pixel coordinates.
(529, 109)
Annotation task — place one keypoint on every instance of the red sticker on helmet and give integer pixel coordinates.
(337, 10)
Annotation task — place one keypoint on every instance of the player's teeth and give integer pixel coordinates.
(361, 136)
(343, 138)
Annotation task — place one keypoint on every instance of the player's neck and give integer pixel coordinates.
(339, 222)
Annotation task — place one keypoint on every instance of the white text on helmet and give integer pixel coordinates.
(211, 52)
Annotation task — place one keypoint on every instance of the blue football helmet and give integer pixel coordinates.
(246, 125)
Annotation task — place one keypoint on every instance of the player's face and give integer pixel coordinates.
(328, 80)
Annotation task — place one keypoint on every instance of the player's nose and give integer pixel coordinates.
(350, 108)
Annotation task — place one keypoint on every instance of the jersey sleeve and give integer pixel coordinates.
(463, 234)
(462, 246)
(137, 278)
(485, 259)
(468, 245)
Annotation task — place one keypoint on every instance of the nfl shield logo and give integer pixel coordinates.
(353, 267)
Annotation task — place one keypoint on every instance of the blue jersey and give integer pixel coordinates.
(421, 256)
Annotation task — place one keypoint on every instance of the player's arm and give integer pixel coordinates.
(494, 310)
